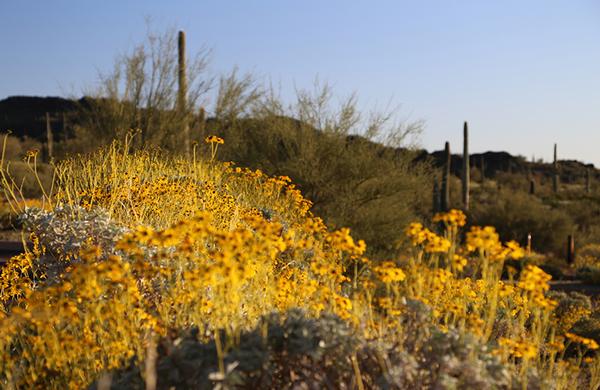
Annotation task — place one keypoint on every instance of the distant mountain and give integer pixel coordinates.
(25, 116)
(495, 162)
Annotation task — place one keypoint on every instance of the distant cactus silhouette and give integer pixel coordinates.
(555, 178)
(445, 197)
(49, 139)
(588, 180)
(466, 174)
(570, 249)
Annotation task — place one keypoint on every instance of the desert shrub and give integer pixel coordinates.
(30, 184)
(585, 212)
(553, 270)
(14, 148)
(22, 172)
(572, 308)
(588, 326)
(10, 216)
(296, 351)
(68, 230)
(516, 214)
(588, 255)
(512, 181)
(588, 274)
(374, 190)
(342, 162)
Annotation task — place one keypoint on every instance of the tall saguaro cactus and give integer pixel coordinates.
(555, 177)
(182, 93)
(445, 201)
(49, 139)
(570, 249)
(466, 174)
(588, 180)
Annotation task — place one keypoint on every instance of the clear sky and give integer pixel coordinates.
(525, 73)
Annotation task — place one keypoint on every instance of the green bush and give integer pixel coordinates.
(517, 214)
(374, 190)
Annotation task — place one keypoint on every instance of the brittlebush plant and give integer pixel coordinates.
(216, 247)
(207, 245)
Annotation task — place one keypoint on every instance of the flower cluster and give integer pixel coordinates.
(535, 281)
(452, 219)
(388, 272)
(520, 349)
(588, 343)
(431, 242)
(213, 139)
(486, 242)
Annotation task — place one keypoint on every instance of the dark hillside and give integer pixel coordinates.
(25, 116)
(494, 163)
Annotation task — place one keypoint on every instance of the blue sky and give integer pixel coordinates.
(525, 74)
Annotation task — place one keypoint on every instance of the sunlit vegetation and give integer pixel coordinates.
(143, 264)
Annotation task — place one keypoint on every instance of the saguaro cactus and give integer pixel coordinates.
(182, 93)
(466, 174)
(555, 177)
(570, 249)
(588, 180)
(445, 201)
(49, 139)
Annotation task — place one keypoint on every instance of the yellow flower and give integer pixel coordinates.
(515, 250)
(31, 153)
(389, 273)
(521, 349)
(459, 262)
(534, 279)
(213, 139)
(452, 219)
(589, 343)
(484, 239)
(437, 244)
